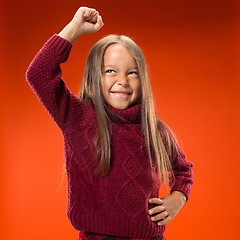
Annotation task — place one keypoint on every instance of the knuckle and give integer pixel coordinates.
(160, 208)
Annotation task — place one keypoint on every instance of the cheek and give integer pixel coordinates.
(107, 84)
(105, 87)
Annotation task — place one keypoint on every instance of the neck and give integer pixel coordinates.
(130, 115)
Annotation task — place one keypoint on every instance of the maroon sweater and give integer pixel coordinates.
(118, 203)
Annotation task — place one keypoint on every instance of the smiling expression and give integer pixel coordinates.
(121, 85)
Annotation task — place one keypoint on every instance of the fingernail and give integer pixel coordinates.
(159, 223)
(150, 211)
(150, 200)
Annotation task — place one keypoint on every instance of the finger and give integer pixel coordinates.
(89, 14)
(86, 13)
(159, 216)
(92, 14)
(94, 18)
(158, 201)
(99, 23)
(157, 209)
(165, 221)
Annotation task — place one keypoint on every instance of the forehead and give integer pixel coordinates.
(118, 53)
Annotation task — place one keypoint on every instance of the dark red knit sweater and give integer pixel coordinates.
(118, 203)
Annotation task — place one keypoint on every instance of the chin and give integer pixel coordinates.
(120, 106)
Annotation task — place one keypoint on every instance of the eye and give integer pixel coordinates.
(110, 71)
(133, 73)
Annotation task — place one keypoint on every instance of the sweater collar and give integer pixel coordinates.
(130, 115)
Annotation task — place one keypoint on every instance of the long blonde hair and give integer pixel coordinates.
(158, 136)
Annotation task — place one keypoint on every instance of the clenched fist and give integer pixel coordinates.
(85, 20)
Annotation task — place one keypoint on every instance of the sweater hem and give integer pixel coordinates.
(119, 227)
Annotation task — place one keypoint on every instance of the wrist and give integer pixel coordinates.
(70, 32)
(182, 198)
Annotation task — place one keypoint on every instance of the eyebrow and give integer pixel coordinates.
(113, 66)
(106, 66)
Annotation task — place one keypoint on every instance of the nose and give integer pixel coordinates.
(122, 80)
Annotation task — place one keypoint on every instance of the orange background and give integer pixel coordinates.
(192, 50)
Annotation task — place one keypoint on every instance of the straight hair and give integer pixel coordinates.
(160, 140)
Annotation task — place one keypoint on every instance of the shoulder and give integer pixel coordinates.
(82, 113)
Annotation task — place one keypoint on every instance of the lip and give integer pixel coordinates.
(121, 94)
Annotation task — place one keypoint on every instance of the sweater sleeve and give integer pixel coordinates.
(183, 174)
(44, 77)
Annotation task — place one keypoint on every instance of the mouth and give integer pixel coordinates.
(122, 94)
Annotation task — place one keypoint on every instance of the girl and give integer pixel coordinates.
(117, 152)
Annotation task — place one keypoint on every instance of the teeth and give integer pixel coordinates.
(123, 94)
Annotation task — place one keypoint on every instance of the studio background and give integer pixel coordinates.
(192, 51)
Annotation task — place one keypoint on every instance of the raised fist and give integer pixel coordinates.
(87, 20)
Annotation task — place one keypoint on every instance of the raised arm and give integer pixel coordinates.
(44, 72)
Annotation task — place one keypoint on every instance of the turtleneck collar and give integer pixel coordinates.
(131, 115)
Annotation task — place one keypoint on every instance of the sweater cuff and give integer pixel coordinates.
(59, 45)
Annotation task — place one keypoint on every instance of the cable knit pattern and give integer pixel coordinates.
(116, 204)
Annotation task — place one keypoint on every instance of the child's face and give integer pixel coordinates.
(120, 84)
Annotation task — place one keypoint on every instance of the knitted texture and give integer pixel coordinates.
(91, 236)
(116, 204)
